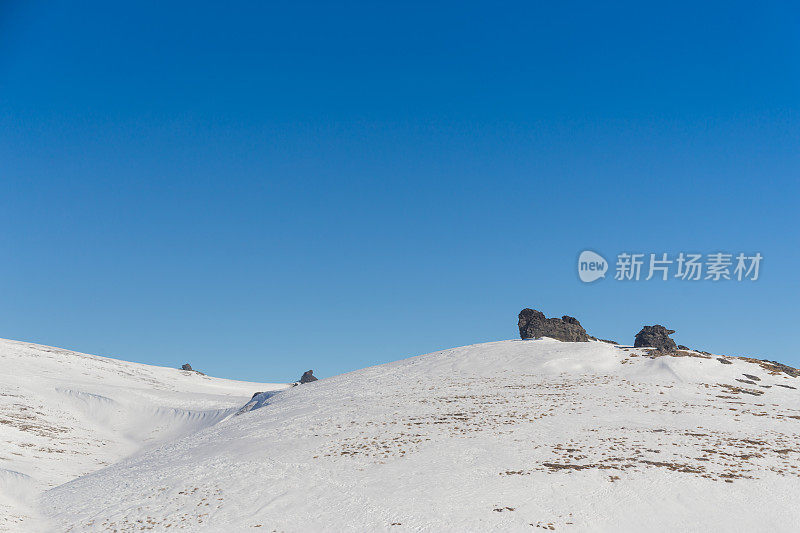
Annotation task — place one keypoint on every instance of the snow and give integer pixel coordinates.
(64, 414)
(503, 436)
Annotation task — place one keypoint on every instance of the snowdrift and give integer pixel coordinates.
(64, 414)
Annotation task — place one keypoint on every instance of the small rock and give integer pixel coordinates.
(308, 377)
(607, 341)
(657, 337)
(186, 366)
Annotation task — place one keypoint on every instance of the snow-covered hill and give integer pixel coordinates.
(511, 435)
(64, 414)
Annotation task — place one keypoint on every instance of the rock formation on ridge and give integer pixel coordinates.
(533, 324)
(308, 377)
(657, 337)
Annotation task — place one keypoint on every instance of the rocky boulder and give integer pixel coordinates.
(533, 324)
(657, 337)
(188, 368)
(308, 377)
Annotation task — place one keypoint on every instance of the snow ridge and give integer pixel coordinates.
(507, 436)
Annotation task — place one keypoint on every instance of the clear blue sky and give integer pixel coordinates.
(262, 188)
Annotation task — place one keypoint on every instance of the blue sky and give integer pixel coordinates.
(264, 188)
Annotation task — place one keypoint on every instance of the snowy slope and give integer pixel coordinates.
(511, 435)
(65, 414)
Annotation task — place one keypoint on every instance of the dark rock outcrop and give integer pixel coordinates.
(533, 324)
(786, 369)
(657, 337)
(607, 341)
(188, 368)
(308, 377)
